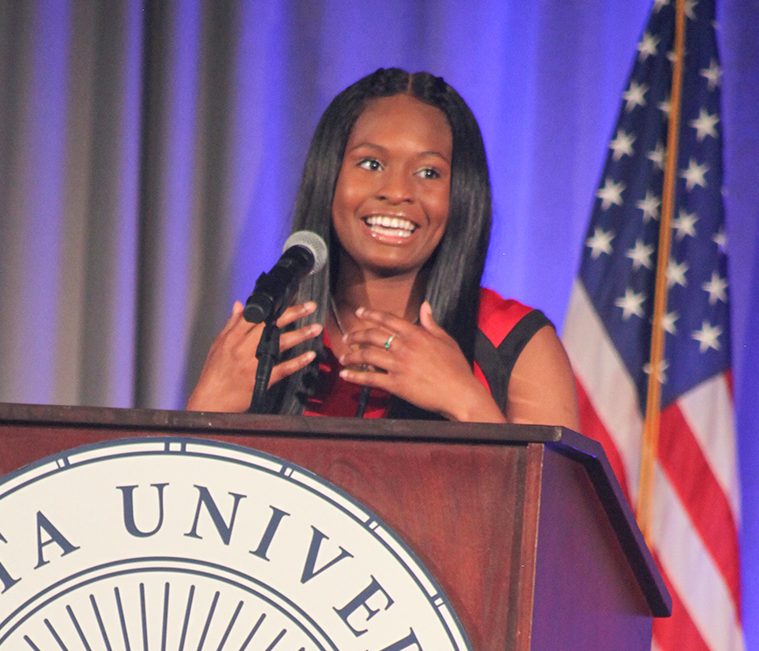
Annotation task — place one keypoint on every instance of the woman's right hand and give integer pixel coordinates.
(228, 376)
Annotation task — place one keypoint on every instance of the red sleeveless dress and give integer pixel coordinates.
(504, 328)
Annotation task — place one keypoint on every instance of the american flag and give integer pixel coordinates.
(695, 509)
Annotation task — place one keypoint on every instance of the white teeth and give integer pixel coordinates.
(395, 232)
(388, 225)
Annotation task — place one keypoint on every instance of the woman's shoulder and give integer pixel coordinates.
(529, 358)
(498, 316)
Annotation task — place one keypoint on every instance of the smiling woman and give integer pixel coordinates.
(390, 207)
(396, 182)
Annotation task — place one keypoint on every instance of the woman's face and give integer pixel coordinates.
(390, 207)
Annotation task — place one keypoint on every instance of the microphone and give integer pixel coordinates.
(304, 253)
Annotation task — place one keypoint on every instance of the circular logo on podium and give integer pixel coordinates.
(167, 543)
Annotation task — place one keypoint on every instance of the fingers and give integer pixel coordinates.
(234, 317)
(368, 378)
(290, 366)
(427, 320)
(248, 334)
(390, 322)
(396, 325)
(379, 337)
(392, 333)
(226, 381)
(371, 357)
(383, 346)
(295, 312)
(294, 338)
(300, 335)
(377, 350)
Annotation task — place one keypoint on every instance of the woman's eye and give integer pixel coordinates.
(370, 164)
(429, 173)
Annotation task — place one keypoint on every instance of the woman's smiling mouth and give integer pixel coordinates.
(389, 225)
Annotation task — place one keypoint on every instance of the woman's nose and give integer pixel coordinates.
(396, 187)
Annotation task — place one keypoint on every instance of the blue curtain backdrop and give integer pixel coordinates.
(149, 153)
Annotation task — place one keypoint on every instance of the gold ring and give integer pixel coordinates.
(389, 342)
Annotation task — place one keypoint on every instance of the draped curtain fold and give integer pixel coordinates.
(150, 152)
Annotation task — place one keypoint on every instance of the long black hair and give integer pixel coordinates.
(455, 272)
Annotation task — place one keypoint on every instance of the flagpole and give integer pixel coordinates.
(653, 395)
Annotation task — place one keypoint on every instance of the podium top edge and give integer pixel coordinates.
(261, 424)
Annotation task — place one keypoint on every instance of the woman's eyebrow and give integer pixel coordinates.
(370, 145)
(438, 154)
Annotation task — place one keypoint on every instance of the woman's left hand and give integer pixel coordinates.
(421, 364)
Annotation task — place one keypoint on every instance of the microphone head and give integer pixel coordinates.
(313, 243)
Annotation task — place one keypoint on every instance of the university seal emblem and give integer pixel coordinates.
(167, 543)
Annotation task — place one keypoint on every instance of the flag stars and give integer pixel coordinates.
(716, 287)
(647, 46)
(656, 155)
(684, 224)
(622, 145)
(662, 374)
(676, 273)
(720, 239)
(650, 206)
(600, 242)
(640, 254)
(668, 322)
(707, 337)
(712, 74)
(690, 9)
(665, 106)
(611, 193)
(694, 174)
(658, 4)
(705, 125)
(635, 96)
(631, 304)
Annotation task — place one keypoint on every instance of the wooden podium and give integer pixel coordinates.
(524, 527)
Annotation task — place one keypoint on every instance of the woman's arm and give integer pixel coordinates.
(542, 385)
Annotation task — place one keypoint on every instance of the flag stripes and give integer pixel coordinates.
(602, 373)
(692, 572)
(708, 409)
(680, 633)
(594, 428)
(688, 566)
(704, 500)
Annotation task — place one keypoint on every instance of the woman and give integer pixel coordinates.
(396, 182)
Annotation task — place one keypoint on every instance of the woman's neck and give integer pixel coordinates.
(400, 295)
